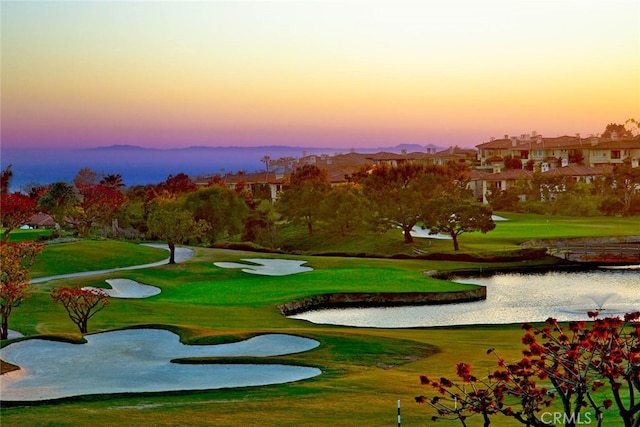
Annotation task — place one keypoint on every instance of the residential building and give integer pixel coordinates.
(548, 153)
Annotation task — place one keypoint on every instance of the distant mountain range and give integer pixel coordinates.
(269, 149)
(142, 165)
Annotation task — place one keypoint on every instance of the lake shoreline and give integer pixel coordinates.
(380, 299)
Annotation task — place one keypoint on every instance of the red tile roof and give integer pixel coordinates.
(580, 170)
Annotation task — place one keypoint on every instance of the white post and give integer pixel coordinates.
(399, 421)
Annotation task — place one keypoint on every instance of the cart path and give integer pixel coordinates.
(182, 254)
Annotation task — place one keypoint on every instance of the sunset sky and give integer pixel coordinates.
(317, 73)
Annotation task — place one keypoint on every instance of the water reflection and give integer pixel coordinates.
(511, 298)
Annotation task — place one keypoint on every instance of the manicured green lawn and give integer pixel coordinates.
(507, 236)
(19, 234)
(365, 370)
(90, 255)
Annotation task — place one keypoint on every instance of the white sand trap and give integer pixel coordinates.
(424, 233)
(139, 360)
(125, 288)
(268, 267)
(11, 334)
(498, 218)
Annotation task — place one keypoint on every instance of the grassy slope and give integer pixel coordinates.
(505, 237)
(365, 371)
(89, 255)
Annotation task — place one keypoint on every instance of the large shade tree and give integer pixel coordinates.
(454, 216)
(344, 208)
(221, 208)
(177, 184)
(623, 192)
(399, 194)
(59, 201)
(302, 195)
(96, 204)
(168, 220)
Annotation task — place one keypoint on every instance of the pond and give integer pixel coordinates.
(511, 298)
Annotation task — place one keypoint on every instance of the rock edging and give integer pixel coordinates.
(380, 299)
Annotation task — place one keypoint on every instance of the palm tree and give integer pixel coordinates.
(266, 160)
(112, 181)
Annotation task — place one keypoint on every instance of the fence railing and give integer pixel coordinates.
(596, 251)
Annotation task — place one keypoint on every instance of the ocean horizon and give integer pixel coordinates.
(141, 166)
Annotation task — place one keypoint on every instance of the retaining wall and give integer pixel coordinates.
(380, 299)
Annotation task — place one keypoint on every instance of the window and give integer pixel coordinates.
(615, 154)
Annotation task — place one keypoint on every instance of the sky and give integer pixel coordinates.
(342, 74)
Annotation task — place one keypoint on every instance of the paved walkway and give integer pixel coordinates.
(182, 254)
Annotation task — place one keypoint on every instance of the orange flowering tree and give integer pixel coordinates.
(569, 362)
(16, 260)
(81, 304)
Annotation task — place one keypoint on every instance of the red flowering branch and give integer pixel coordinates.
(580, 360)
(509, 391)
(577, 360)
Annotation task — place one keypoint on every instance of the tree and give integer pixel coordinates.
(504, 200)
(398, 194)
(511, 162)
(97, 204)
(86, 177)
(15, 210)
(221, 208)
(16, 260)
(81, 304)
(302, 195)
(456, 216)
(267, 162)
(178, 184)
(59, 201)
(633, 126)
(113, 182)
(511, 391)
(624, 183)
(5, 179)
(344, 208)
(169, 221)
(576, 361)
(619, 129)
(35, 190)
(260, 224)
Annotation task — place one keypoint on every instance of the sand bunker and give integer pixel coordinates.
(11, 334)
(268, 267)
(424, 233)
(139, 360)
(125, 288)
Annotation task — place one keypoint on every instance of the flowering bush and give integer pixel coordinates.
(575, 360)
(81, 304)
